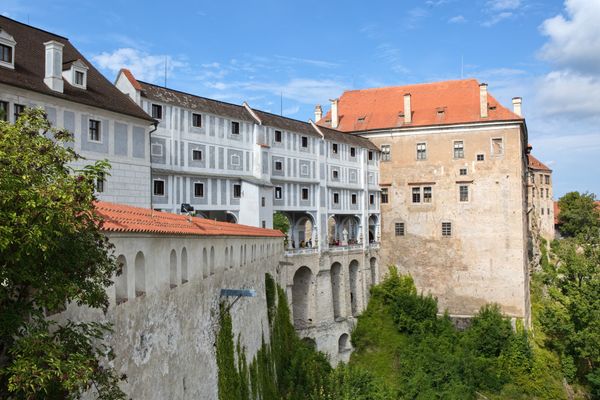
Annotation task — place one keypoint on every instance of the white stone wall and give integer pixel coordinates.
(165, 339)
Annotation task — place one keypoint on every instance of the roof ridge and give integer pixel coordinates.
(33, 27)
(411, 84)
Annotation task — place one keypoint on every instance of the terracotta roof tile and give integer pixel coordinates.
(438, 103)
(536, 164)
(123, 218)
(136, 85)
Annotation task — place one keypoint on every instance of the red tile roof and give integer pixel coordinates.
(136, 85)
(536, 164)
(438, 103)
(123, 218)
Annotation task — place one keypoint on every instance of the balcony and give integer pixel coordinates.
(301, 251)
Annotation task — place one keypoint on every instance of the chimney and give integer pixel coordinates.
(517, 101)
(54, 60)
(407, 109)
(483, 100)
(334, 113)
(318, 113)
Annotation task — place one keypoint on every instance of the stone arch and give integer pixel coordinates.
(204, 263)
(173, 269)
(373, 268)
(354, 287)
(343, 343)
(212, 260)
(231, 218)
(302, 231)
(352, 226)
(121, 281)
(337, 290)
(332, 230)
(184, 266)
(140, 274)
(303, 297)
(373, 227)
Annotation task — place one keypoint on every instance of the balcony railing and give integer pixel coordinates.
(301, 251)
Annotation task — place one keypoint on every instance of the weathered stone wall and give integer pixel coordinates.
(484, 259)
(165, 339)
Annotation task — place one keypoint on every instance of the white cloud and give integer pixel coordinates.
(499, 5)
(575, 40)
(458, 19)
(392, 56)
(570, 93)
(497, 18)
(308, 61)
(144, 66)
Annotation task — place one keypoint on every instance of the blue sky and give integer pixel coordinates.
(547, 51)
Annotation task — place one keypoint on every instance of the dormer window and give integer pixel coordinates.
(75, 73)
(7, 50)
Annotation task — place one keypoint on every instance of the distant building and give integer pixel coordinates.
(41, 69)
(453, 189)
(540, 202)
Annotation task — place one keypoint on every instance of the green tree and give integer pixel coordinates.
(579, 214)
(280, 222)
(52, 253)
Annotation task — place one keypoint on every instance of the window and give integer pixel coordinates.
(304, 193)
(421, 151)
(278, 136)
(263, 202)
(6, 54)
(532, 178)
(235, 128)
(446, 229)
(278, 166)
(542, 211)
(335, 174)
(416, 195)
(19, 108)
(197, 155)
(352, 152)
(100, 183)
(497, 146)
(399, 228)
(459, 149)
(548, 211)
(463, 171)
(480, 157)
(547, 179)
(532, 192)
(264, 224)
(463, 192)
(304, 141)
(235, 160)
(156, 150)
(547, 195)
(278, 192)
(79, 78)
(237, 191)
(384, 196)
(198, 189)
(370, 155)
(354, 198)
(94, 130)
(4, 110)
(427, 194)
(334, 148)
(159, 187)
(371, 199)
(386, 152)
(157, 111)
(336, 198)
(197, 120)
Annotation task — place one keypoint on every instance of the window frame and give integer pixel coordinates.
(462, 172)
(497, 140)
(195, 118)
(278, 136)
(79, 74)
(353, 152)
(334, 148)
(353, 198)
(370, 155)
(371, 199)
(96, 129)
(421, 148)
(100, 182)
(416, 195)
(278, 162)
(304, 142)
(427, 194)
(446, 229)
(384, 195)
(399, 229)
(335, 174)
(336, 198)
(235, 127)
(10, 50)
(236, 191)
(156, 111)
(386, 152)
(480, 157)
(463, 193)
(156, 145)
(154, 182)
(458, 148)
(4, 107)
(280, 192)
(199, 184)
(18, 109)
(304, 190)
(197, 151)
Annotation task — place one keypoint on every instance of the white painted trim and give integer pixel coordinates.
(463, 128)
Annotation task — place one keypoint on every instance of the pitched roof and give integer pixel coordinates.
(30, 64)
(536, 164)
(341, 137)
(193, 102)
(438, 103)
(123, 218)
(136, 85)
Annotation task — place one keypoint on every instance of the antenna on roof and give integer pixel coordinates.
(166, 61)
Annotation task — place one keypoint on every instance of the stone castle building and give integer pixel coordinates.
(540, 202)
(453, 189)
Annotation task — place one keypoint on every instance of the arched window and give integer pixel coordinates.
(121, 281)
(184, 267)
(337, 290)
(140, 274)
(204, 263)
(343, 344)
(173, 269)
(212, 260)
